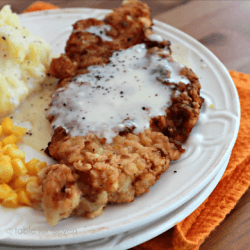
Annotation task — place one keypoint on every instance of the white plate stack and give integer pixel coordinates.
(179, 191)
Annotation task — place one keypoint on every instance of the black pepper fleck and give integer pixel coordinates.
(98, 77)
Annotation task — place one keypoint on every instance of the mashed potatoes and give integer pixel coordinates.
(24, 60)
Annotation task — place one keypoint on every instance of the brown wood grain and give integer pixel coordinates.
(224, 28)
(157, 6)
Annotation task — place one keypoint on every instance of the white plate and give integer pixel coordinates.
(209, 144)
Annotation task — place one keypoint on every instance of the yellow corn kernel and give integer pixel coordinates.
(40, 165)
(31, 166)
(11, 139)
(15, 153)
(1, 130)
(7, 125)
(1, 145)
(5, 191)
(11, 201)
(33, 179)
(6, 171)
(18, 167)
(19, 132)
(21, 181)
(23, 197)
(5, 158)
(8, 146)
(6, 187)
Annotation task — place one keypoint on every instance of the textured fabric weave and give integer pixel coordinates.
(36, 6)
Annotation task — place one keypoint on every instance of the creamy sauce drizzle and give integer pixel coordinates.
(124, 93)
(31, 114)
(155, 37)
(100, 30)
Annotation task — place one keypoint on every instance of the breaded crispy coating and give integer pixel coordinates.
(91, 172)
(60, 192)
(129, 25)
(106, 173)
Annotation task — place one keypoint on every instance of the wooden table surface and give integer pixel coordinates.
(224, 28)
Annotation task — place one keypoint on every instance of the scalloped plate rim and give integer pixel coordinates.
(228, 150)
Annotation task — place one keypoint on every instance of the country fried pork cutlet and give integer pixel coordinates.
(93, 41)
(120, 113)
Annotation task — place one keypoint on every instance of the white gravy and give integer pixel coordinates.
(155, 37)
(124, 93)
(31, 114)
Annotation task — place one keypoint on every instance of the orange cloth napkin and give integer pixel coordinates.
(190, 233)
(36, 6)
